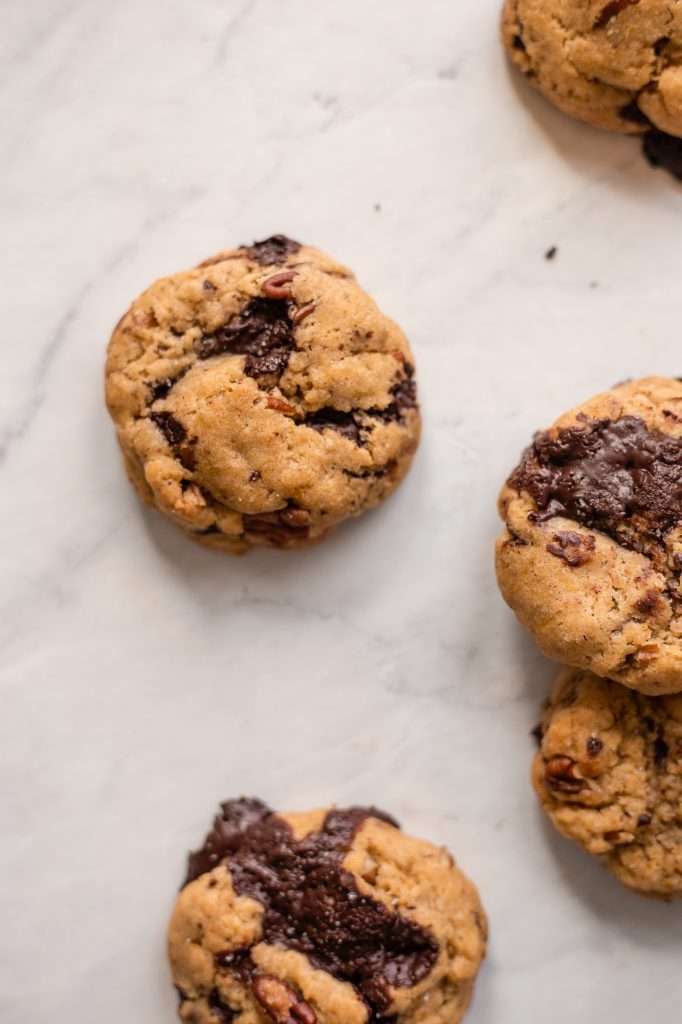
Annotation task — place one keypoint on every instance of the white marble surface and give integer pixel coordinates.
(143, 679)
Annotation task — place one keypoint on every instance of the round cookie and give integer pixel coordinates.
(327, 917)
(262, 398)
(591, 555)
(615, 64)
(609, 775)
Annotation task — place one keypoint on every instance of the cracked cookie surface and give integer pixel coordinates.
(591, 556)
(609, 775)
(331, 916)
(615, 65)
(262, 397)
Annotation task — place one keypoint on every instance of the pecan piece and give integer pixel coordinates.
(280, 1002)
(277, 285)
(560, 774)
(574, 549)
(303, 311)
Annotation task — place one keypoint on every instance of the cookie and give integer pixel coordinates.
(262, 398)
(609, 775)
(615, 64)
(591, 555)
(325, 917)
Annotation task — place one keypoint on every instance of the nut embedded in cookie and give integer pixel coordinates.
(609, 776)
(325, 917)
(262, 398)
(591, 555)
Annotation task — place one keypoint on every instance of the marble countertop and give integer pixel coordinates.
(143, 679)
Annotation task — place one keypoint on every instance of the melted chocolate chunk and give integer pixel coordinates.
(221, 1010)
(262, 332)
(311, 904)
(405, 391)
(662, 150)
(271, 250)
(172, 429)
(161, 388)
(333, 419)
(661, 751)
(632, 112)
(176, 435)
(612, 9)
(616, 476)
(404, 395)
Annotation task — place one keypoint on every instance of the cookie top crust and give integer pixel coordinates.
(609, 775)
(262, 398)
(332, 916)
(616, 64)
(591, 556)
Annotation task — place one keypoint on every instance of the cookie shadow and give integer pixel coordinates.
(322, 573)
(651, 922)
(594, 153)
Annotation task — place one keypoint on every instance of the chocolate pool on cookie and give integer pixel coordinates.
(327, 917)
(591, 555)
(262, 398)
(609, 775)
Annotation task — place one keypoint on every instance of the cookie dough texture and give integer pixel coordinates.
(262, 398)
(615, 64)
(326, 917)
(591, 555)
(609, 775)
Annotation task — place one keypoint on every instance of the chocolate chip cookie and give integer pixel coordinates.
(591, 555)
(616, 64)
(609, 775)
(262, 398)
(327, 917)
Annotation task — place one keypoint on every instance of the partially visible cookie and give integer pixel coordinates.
(325, 917)
(609, 775)
(262, 398)
(615, 64)
(591, 555)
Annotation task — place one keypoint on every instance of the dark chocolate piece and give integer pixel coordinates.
(171, 428)
(633, 112)
(615, 476)
(271, 250)
(333, 419)
(611, 10)
(262, 332)
(662, 150)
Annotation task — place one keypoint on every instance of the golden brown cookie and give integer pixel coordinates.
(262, 398)
(616, 64)
(591, 555)
(327, 917)
(609, 775)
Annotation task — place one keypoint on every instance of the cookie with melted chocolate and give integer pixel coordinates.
(327, 917)
(262, 398)
(591, 555)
